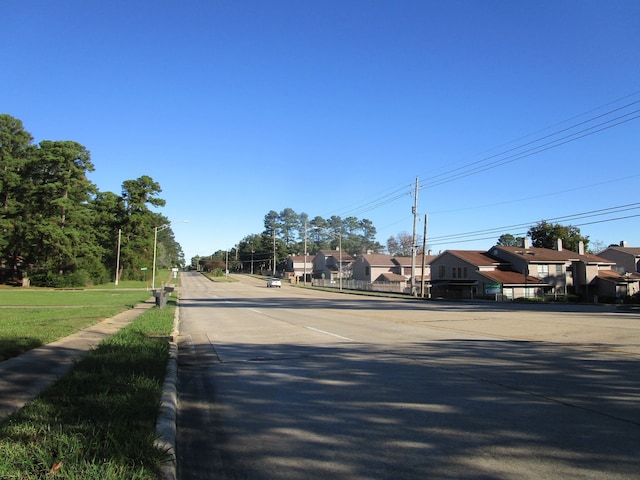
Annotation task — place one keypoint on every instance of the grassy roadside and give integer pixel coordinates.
(30, 318)
(221, 278)
(98, 421)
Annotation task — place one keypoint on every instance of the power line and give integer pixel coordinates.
(567, 190)
(500, 159)
(480, 234)
(632, 94)
(526, 231)
(532, 151)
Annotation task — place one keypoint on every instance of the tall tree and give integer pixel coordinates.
(16, 150)
(317, 235)
(60, 238)
(368, 237)
(139, 224)
(289, 222)
(400, 245)
(508, 240)
(108, 218)
(545, 235)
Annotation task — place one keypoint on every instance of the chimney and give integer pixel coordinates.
(430, 252)
(623, 244)
(581, 247)
(559, 244)
(526, 243)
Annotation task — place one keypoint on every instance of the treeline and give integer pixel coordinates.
(286, 232)
(57, 229)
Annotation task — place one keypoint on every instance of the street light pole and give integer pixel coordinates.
(340, 247)
(118, 257)
(155, 246)
(304, 279)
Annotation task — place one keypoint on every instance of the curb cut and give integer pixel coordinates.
(167, 415)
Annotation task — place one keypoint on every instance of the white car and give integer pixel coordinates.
(274, 282)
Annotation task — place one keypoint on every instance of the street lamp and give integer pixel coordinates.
(155, 245)
(340, 261)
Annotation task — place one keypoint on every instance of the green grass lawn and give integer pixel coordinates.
(98, 421)
(30, 318)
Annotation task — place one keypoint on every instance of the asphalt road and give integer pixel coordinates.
(297, 384)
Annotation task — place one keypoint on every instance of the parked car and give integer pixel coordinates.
(274, 282)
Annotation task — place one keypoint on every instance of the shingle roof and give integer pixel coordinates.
(476, 257)
(391, 277)
(378, 259)
(635, 251)
(509, 277)
(536, 255)
(300, 258)
(617, 276)
(336, 254)
(406, 261)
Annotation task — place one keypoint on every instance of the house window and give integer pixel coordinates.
(459, 272)
(441, 271)
(367, 271)
(543, 271)
(558, 269)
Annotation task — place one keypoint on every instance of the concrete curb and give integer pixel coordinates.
(167, 415)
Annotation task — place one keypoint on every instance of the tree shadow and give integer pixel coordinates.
(444, 409)
(12, 346)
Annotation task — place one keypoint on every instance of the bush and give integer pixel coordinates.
(79, 278)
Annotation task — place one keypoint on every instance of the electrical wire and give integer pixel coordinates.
(499, 159)
(480, 234)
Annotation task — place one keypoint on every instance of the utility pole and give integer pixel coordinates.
(414, 243)
(118, 257)
(273, 272)
(305, 254)
(424, 254)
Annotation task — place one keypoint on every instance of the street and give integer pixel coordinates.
(292, 383)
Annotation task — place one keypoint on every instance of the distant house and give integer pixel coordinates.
(614, 286)
(467, 274)
(627, 259)
(561, 271)
(386, 269)
(625, 279)
(405, 265)
(327, 266)
(297, 265)
(370, 266)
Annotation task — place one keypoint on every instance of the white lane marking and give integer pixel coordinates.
(254, 310)
(329, 333)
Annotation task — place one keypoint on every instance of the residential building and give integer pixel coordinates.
(560, 271)
(297, 265)
(627, 259)
(625, 280)
(468, 274)
(327, 266)
(369, 267)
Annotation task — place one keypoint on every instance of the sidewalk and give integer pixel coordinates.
(23, 377)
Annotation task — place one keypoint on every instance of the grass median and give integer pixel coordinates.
(98, 421)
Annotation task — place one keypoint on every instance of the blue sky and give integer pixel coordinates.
(335, 107)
